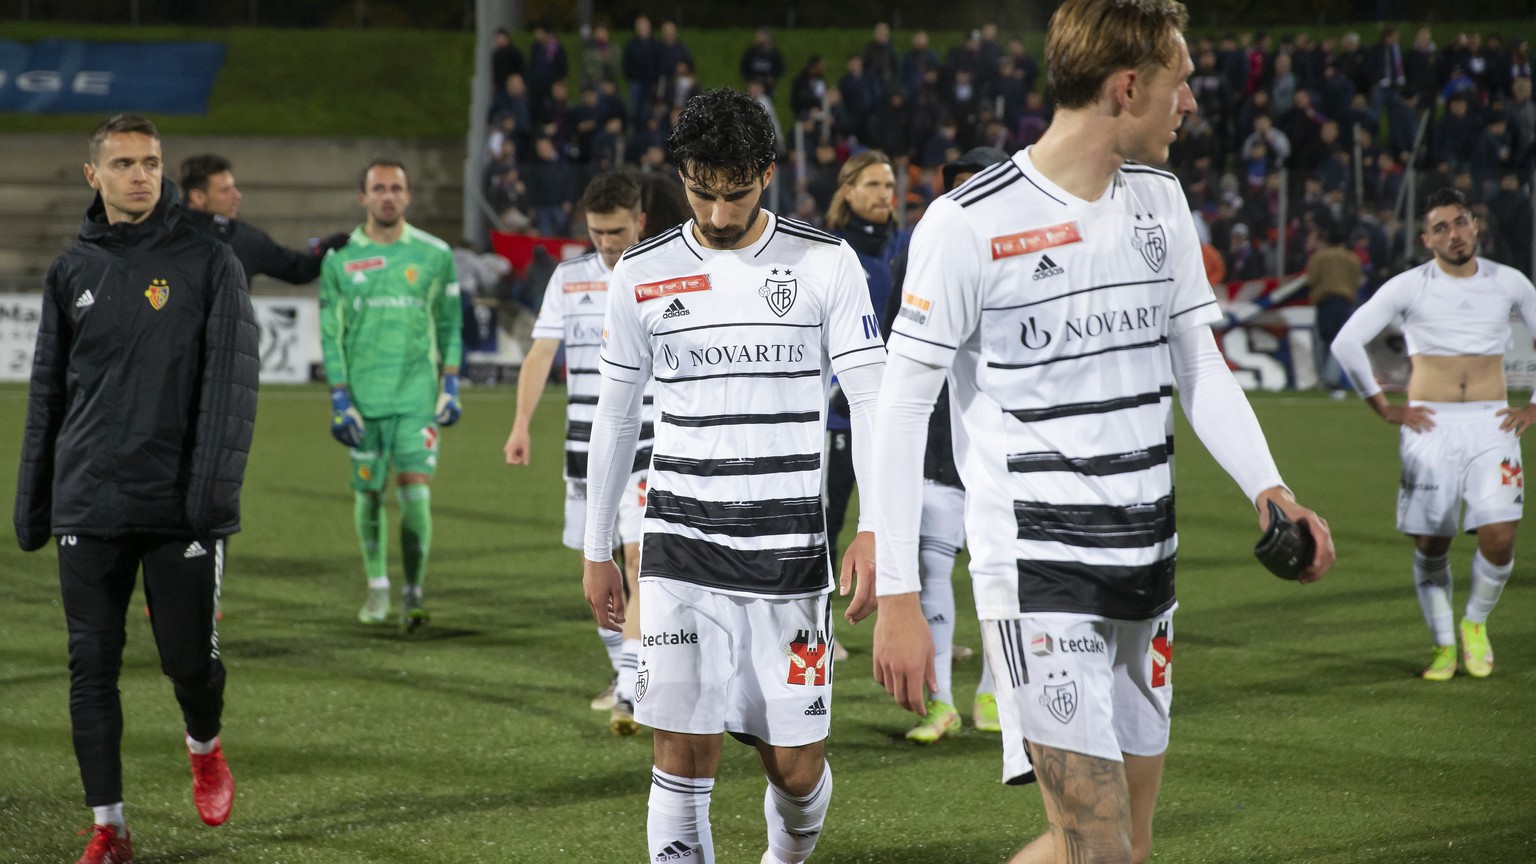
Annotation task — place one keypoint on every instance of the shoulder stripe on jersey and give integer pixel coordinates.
(645, 246)
(793, 373)
(739, 467)
(1079, 409)
(1066, 294)
(921, 339)
(1132, 347)
(1192, 309)
(993, 179)
(778, 572)
(877, 346)
(728, 324)
(741, 419)
(1011, 635)
(770, 518)
(817, 237)
(1096, 526)
(1091, 466)
(792, 224)
(1071, 586)
(610, 363)
(1138, 168)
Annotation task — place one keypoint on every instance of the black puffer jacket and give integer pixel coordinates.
(143, 394)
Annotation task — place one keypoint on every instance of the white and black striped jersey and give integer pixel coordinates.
(742, 344)
(572, 311)
(1053, 315)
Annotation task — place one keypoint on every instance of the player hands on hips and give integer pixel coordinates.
(390, 335)
(739, 315)
(1063, 417)
(1459, 439)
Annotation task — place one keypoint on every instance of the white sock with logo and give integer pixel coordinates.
(613, 643)
(1487, 584)
(936, 561)
(1432, 578)
(111, 814)
(794, 824)
(677, 820)
(629, 668)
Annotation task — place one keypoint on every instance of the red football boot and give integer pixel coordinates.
(213, 787)
(107, 846)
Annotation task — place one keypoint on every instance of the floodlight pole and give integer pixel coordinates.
(489, 15)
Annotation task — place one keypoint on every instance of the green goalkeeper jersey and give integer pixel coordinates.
(390, 320)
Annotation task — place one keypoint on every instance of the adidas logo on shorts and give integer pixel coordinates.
(1047, 269)
(196, 550)
(676, 310)
(675, 851)
(818, 708)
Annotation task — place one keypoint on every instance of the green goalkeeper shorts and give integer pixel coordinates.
(408, 442)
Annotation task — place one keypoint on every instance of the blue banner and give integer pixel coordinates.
(69, 76)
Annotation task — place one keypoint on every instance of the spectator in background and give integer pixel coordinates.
(1388, 73)
(547, 64)
(1277, 144)
(598, 60)
(1420, 75)
(763, 64)
(1456, 133)
(1520, 114)
(880, 61)
(809, 89)
(860, 92)
(504, 189)
(551, 188)
(919, 67)
(513, 102)
(1025, 62)
(213, 206)
(642, 70)
(1497, 61)
(1282, 88)
(506, 60)
(671, 52)
(1244, 261)
(1334, 277)
(1511, 210)
(681, 84)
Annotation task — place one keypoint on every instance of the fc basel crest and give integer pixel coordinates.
(159, 292)
(642, 682)
(779, 291)
(1152, 243)
(1060, 699)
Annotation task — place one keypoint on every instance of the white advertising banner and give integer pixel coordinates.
(290, 336)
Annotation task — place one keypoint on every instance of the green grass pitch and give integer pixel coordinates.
(1300, 733)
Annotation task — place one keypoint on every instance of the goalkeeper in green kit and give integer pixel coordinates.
(389, 329)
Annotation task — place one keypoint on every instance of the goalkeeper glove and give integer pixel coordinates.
(448, 409)
(346, 423)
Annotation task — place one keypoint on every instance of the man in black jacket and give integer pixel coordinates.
(139, 421)
(213, 204)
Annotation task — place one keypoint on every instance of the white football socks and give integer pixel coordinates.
(1432, 578)
(613, 643)
(677, 821)
(1487, 584)
(794, 824)
(629, 669)
(936, 561)
(112, 814)
(202, 748)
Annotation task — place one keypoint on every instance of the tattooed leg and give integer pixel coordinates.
(1088, 804)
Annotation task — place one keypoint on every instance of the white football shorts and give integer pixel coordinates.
(712, 662)
(943, 515)
(630, 517)
(1092, 685)
(1465, 458)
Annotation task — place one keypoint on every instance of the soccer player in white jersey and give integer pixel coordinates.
(572, 313)
(1460, 438)
(742, 316)
(1063, 294)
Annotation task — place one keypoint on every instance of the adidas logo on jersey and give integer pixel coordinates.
(586, 300)
(86, 300)
(1047, 268)
(676, 310)
(675, 851)
(818, 708)
(196, 550)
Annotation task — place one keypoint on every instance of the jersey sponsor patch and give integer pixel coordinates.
(656, 290)
(915, 308)
(583, 287)
(1035, 240)
(375, 263)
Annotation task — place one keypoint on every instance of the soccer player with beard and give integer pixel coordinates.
(390, 334)
(742, 316)
(1460, 439)
(1063, 294)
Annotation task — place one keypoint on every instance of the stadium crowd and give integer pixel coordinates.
(1296, 139)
